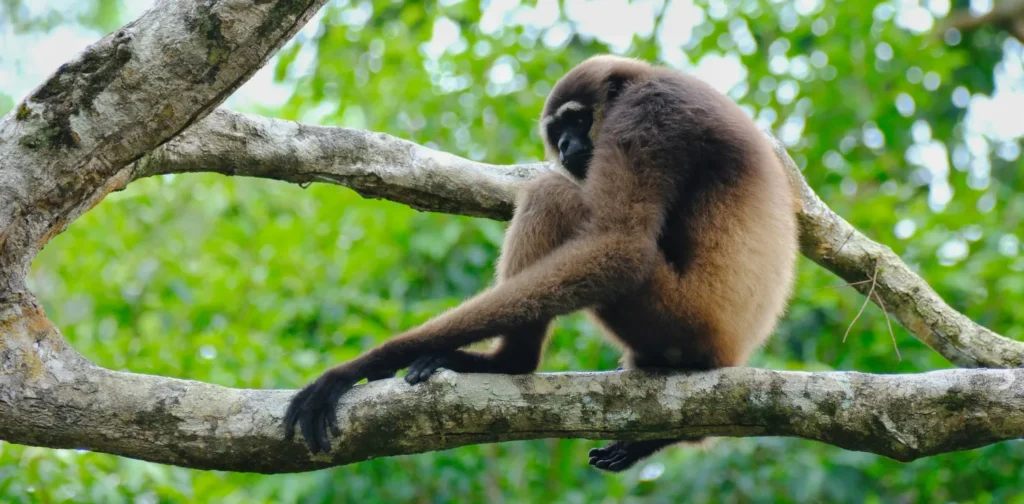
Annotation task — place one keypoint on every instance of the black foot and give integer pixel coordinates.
(313, 409)
(424, 367)
(622, 455)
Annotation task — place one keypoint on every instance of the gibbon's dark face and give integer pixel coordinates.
(567, 131)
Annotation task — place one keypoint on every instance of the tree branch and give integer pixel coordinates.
(72, 404)
(1006, 14)
(381, 166)
(375, 165)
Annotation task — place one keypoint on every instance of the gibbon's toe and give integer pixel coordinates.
(614, 457)
(425, 366)
(620, 455)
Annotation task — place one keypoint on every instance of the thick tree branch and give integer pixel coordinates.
(382, 166)
(375, 165)
(68, 403)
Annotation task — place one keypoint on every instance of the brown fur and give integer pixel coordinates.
(679, 239)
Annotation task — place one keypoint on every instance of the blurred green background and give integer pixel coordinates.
(914, 138)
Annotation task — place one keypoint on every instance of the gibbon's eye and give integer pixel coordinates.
(554, 132)
(578, 119)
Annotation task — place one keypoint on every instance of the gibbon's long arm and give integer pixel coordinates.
(612, 255)
(584, 272)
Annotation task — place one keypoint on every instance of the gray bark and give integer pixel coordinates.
(92, 128)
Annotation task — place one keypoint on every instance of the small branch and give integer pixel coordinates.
(888, 322)
(874, 282)
(381, 166)
(1006, 14)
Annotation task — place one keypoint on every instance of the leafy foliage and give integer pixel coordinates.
(258, 284)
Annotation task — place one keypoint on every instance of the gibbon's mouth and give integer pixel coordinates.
(576, 164)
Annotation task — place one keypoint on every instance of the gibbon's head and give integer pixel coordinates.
(572, 115)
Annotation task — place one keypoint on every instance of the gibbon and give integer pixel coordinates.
(671, 222)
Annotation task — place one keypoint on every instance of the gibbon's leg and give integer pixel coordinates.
(621, 455)
(549, 212)
(658, 326)
(613, 254)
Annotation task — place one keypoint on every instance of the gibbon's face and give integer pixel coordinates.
(567, 132)
(577, 105)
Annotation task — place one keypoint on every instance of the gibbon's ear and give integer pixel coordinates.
(615, 86)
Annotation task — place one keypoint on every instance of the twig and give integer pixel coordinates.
(851, 284)
(888, 322)
(867, 299)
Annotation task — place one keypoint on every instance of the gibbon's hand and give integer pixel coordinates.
(314, 408)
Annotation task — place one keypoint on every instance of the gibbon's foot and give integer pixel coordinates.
(425, 366)
(313, 409)
(459, 361)
(622, 455)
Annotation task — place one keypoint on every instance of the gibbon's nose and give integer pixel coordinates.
(568, 146)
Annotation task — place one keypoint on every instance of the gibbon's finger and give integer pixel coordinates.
(291, 417)
(332, 410)
(318, 427)
(325, 427)
(309, 418)
(315, 409)
(412, 373)
(295, 414)
(307, 421)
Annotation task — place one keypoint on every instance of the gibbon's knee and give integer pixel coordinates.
(519, 352)
(548, 213)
